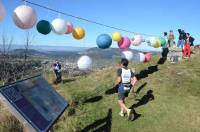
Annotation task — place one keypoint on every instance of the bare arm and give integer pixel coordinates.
(133, 81)
(118, 80)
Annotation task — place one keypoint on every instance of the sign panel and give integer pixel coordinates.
(36, 101)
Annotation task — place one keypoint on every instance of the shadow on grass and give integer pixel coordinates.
(144, 100)
(134, 115)
(146, 72)
(68, 80)
(111, 91)
(93, 99)
(141, 87)
(101, 125)
(163, 59)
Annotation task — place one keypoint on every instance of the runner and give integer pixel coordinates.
(125, 81)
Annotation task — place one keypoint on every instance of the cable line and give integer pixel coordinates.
(84, 19)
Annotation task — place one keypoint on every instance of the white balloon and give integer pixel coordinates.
(152, 41)
(139, 57)
(24, 17)
(2, 12)
(127, 54)
(84, 63)
(59, 26)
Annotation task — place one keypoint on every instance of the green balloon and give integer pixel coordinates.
(148, 41)
(163, 41)
(44, 27)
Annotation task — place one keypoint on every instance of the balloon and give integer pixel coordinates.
(154, 42)
(2, 12)
(59, 26)
(127, 54)
(124, 43)
(24, 17)
(78, 33)
(44, 27)
(116, 36)
(158, 43)
(148, 57)
(163, 41)
(104, 41)
(84, 63)
(137, 40)
(140, 57)
(148, 41)
(69, 28)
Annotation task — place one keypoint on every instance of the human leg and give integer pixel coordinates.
(179, 44)
(188, 50)
(121, 102)
(122, 105)
(185, 51)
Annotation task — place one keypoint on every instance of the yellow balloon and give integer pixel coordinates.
(158, 43)
(116, 36)
(78, 33)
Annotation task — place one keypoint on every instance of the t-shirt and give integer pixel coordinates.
(119, 72)
(171, 37)
(126, 75)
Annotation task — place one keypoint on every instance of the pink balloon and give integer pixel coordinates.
(124, 43)
(137, 40)
(148, 57)
(69, 28)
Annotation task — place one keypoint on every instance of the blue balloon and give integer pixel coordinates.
(104, 41)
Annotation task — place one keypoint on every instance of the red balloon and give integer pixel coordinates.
(148, 57)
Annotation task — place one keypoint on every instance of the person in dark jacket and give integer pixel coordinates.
(191, 39)
(57, 71)
(182, 38)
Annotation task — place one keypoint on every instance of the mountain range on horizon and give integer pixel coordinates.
(46, 48)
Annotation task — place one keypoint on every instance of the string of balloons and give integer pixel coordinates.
(84, 19)
(25, 17)
(103, 41)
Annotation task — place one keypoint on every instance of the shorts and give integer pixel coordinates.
(122, 96)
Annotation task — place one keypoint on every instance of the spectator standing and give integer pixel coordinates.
(166, 39)
(191, 39)
(187, 50)
(171, 38)
(181, 39)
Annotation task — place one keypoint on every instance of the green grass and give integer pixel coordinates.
(176, 89)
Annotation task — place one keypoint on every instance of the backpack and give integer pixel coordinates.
(125, 85)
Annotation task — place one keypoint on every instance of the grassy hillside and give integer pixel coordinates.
(93, 104)
(175, 108)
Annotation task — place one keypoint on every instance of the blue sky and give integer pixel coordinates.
(143, 16)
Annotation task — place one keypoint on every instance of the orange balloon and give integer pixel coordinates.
(78, 33)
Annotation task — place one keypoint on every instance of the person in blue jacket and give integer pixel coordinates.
(125, 81)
